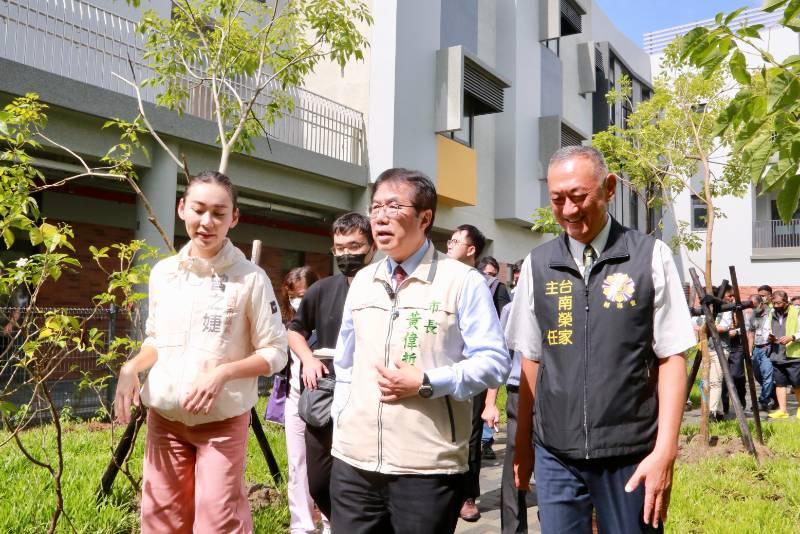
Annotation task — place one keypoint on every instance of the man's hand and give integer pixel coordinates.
(400, 383)
(523, 465)
(491, 415)
(205, 390)
(656, 472)
(127, 394)
(312, 370)
(785, 340)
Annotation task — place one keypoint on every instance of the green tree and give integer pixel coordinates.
(762, 119)
(247, 55)
(670, 145)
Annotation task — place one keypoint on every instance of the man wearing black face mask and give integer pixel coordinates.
(320, 312)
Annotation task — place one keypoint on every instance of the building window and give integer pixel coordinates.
(570, 18)
(570, 137)
(699, 214)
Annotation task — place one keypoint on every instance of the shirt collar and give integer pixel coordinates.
(598, 243)
(412, 262)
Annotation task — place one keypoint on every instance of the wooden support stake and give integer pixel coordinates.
(748, 362)
(747, 439)
(255, 421)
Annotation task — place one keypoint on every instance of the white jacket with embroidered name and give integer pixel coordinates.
(204, 313)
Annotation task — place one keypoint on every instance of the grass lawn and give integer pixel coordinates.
(27, 499)
(717, 494)
(731, 494)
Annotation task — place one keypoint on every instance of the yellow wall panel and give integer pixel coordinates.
(457, 173)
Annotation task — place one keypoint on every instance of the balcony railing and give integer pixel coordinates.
(78, 40)
(655, 42)
(776, 234)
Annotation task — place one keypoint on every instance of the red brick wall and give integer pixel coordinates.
(792, 291)
(78, 288)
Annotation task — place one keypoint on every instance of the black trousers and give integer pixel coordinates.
(513, 508)
(736, 366)
(472, 482)
(319, 462)
(365, 502)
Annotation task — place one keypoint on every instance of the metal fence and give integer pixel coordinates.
(66, 371)
(776, 234)
(78, 40)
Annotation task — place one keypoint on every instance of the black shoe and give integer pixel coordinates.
(715, 417)
(487, 453)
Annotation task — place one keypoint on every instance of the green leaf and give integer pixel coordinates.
(733, 15)
(8, 237)
(788, 198)
(738, 66)
(791, 11)
(782, 90)
(759, 156)
(772, 5)
(35, 235)
(8, 408)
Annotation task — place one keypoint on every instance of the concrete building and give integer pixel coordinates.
(751, 236)
(476, 93)
(479, 94)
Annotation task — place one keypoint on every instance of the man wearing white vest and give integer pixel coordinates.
(414, 347)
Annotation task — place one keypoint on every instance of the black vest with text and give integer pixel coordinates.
(596, 387)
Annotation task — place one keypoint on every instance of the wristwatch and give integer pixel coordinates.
(425, 389)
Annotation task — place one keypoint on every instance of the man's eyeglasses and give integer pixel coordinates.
(456, 242)
(391, 210)
(350, 248)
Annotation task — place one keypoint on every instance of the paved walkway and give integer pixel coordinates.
(489, 502)
(492, 471)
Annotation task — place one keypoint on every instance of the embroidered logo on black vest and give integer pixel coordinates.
(618, 289)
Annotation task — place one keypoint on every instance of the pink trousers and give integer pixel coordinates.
(193, 479)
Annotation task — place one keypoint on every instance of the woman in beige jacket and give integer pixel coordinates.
(213, 327)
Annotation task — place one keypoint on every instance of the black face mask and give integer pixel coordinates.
(350, 264)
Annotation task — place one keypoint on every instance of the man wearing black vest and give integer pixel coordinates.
(600, 318)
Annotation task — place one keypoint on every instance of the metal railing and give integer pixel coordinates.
(64, 375)
(776, 234)
(655, 42)
(78, 40)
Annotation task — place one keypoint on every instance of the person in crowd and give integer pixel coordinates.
(601, 320)
(796, 301)
(213, 327)
(501, 297)
(466, 245)
(758, 334)
(513, 506)
(415, 346)
(301, 504)
(784, 338)
(515, 275)
(320, 315)
(766, 293)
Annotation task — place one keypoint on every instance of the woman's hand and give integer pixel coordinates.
(312, 370)
(205, 390)
(127, 394)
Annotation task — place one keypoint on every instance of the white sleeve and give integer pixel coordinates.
(522, 331)
(672, 324)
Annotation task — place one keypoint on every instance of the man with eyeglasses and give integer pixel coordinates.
(466, 245)
(415, 346)
(320, 313)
